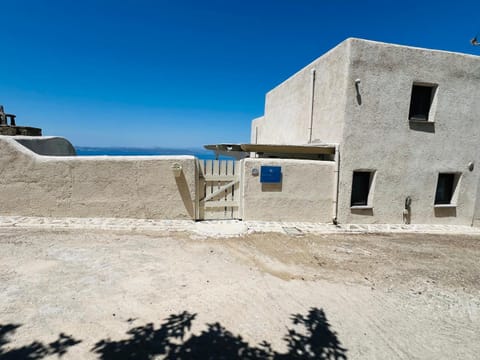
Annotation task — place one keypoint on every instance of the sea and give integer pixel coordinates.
(132, 151)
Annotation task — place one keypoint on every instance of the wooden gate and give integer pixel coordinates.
(219, 189)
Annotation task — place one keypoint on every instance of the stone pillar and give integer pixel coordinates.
(3, 117)
(12, 119)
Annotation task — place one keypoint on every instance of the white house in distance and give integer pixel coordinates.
(406, 125)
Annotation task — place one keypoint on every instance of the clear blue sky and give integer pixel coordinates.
(183, 73)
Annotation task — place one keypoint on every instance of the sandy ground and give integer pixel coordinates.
(105, 294)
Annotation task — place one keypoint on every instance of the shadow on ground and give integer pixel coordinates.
(34, 350)
(170, 341)
(310, 337)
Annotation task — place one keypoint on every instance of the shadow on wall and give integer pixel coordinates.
(184, 191)
(271, 187)
(366, 211)
(445, 212)
(424, 126)
(173, 340)
(34, 350)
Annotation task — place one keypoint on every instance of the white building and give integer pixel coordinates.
(367, 133)
(406, 122)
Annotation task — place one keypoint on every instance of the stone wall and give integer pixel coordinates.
(20, 130)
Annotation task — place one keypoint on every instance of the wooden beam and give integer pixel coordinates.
(219, 190)
(221, 203)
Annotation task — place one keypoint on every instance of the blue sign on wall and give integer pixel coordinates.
(271, 174)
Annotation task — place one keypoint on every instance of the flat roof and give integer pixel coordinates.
(289, 149)
(274, 149)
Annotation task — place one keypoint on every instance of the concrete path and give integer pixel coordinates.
(227, 228)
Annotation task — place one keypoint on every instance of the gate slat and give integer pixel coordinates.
(230, 194)
(236, 189)
(215, 213)
(202, 184)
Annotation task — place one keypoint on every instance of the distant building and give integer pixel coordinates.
(406, 122)
(12, 129)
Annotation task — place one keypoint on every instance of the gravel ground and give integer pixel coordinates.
(102, 294)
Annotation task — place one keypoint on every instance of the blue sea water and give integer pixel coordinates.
(128, 151)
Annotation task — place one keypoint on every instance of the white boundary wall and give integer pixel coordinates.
(94, 186)
(305, 193)
(146, 187)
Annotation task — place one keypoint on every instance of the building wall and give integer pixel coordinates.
(256, 130)
(373, 131)
(70, 186)
(476, 214)
(407, 156)
(305, 193)
(288, 107)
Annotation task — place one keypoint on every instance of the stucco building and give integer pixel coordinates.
(405, 122)
(367, 133)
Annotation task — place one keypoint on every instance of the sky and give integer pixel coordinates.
(184, 73)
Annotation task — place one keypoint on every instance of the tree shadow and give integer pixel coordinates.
(315, 340)
(145, 341)
(310, 338)
(34, 350)
(318, 341)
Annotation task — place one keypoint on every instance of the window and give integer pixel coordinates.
(421, 101)
(361, 187)
(446, 186)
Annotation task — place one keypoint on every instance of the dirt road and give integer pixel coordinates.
(105, 294)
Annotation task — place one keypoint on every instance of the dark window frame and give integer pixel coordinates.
(421, 101)
(361, 188)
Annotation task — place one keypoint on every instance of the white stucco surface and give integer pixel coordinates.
(406, 156)
(361, 101)
(305, 193)
(97, 186)
(255, 130)
(288, 107)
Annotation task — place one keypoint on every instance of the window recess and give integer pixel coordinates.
(421, 102)
(447, 189)
(361, 189)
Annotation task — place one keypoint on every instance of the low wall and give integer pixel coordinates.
(94, 186)
(304, 194)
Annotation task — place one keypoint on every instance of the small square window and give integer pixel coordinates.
(446, 187)
(421, 101)
(361, 188)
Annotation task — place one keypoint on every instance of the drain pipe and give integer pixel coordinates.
(310, 129)
(336, 180)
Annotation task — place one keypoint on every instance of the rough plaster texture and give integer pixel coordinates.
(305, 193)
(289, 105)
(407, 156)
(255, 131)
(47, 145)
(97, 186)
(374, 132)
